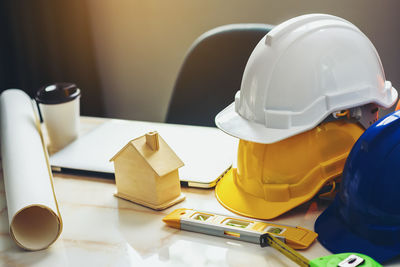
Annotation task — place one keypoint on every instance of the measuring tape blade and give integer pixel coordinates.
(269, 240)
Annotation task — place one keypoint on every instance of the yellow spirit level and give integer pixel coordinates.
(237, 228)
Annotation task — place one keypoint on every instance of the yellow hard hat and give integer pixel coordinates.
(272, 179)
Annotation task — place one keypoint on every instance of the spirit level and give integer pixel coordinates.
(339, 260)
(281, 237)
(239, 229)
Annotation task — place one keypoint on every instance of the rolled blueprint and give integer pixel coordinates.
(34, 218)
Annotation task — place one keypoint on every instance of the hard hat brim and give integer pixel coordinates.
(238, 201)
(229, 121)
(335, 236)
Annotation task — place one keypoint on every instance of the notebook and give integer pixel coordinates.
(206, 151)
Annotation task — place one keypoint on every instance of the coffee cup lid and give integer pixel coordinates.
(57, 93)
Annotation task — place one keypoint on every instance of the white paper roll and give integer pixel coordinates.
(34, 217)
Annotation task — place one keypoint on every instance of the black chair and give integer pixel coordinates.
(212, 72)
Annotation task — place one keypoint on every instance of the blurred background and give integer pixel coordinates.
(125, 54)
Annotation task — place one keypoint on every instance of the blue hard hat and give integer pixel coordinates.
(365, 215)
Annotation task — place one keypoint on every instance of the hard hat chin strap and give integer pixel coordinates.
(366, 115)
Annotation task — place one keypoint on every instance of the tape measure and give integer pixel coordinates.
(336, 260)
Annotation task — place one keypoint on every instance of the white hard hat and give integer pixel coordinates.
(301, 72)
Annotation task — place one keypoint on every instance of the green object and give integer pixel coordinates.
(334, 260)
(275, 230)
(201, 218)
(236, 225)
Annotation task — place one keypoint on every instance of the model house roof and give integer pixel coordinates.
(156, 152)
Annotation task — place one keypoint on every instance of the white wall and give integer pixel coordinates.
(140, 44)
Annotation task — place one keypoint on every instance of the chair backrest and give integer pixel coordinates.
(212, 72)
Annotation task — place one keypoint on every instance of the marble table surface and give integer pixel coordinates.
(102, 230)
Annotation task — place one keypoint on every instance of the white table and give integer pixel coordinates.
(102, 230)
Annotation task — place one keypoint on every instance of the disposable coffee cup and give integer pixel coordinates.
(59, 106)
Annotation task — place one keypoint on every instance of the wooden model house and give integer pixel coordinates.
(146, 172)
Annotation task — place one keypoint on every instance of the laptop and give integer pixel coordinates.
(206, 151)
